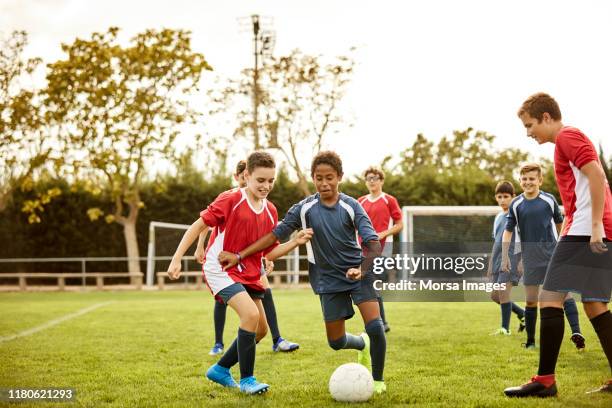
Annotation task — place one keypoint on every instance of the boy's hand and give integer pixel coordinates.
(597, 244)
(269, 266)
(505, 263)
(174, 270)
(354, 274)
(228, 259)
(304, 236)
(199, 254)
(520, 268)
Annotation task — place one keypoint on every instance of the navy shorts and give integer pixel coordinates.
(229, 292)
(339, 305)
(505, 277)
(534, 276)
(575, 268)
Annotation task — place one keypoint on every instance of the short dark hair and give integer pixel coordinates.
(327, 157)
(537, 104)
(260, 159)
(374, 170)
(504, 187)
(240, 167)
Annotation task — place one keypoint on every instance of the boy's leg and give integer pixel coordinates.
(337, 307)
(571, 313)
(375, 330)
(381, 307)
(278, 343)
(219, 315)
(248, 313)
(601, 319)
(506, 307)
(531, 313)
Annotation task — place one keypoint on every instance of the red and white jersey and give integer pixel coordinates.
(238, 225)
(572, 151)
(382, 210)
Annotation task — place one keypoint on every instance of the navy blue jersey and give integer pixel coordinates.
(334, 247)
(535, 221)
(499, 226)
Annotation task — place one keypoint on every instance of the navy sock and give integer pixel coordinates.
(348, 341)
(603, 327)
(382, 309)
(246, 352)
(571, 313)
(268, 304)
(219, 318)
(531, 317)
(506, 312)
(378, 347)
(551, 336)
(519, 311)
(230, 357)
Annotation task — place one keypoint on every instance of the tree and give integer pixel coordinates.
(119, 109)
(25, 146)
(299, 97)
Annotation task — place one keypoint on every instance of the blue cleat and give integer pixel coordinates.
(250, 386)
(221, 375)
(216, 350)
(284, 345)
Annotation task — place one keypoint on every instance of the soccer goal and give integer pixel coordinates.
(163, 240)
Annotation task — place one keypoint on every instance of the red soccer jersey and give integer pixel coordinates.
(572, 151)
(382, 211)
(238, 225)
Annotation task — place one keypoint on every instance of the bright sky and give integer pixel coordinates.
(423, 66)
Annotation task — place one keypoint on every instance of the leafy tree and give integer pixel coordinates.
(299, 97)
(25, 146)
(118, 110)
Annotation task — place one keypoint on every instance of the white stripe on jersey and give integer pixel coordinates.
(581, 220)
(303, 211)
(216, 278)
(351, 213)
(551, 203)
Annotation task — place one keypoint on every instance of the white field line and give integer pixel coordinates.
(53, 322)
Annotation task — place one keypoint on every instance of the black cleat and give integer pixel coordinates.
(578, 340)
(521, 324)
(606, 388)
(532, 389)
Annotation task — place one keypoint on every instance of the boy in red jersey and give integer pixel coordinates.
(386, 216)
(581, 261)
(240, 216)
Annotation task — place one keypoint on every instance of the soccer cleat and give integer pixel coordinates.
(501, 331)
(532, 389)
(379, 387)
(521, 324)
(363, 356)
(578, 340)
(386, 327)
(249, 385)
(221, 375)
(216, 349)
(529, 346)
(284, 345)
(607, 387)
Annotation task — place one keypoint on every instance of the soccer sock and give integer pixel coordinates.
(246, 352)
(603, 327)
(382, 309)
(268, 304)
(348, 341)
(552, 326)
(378, 347)
(519, 311)
(219, 318)
(230, 358)
(506, 312)
(531, 316)
(571, 312)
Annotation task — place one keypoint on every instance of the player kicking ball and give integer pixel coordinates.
(336, 265)
(241, 216)
(582, 261)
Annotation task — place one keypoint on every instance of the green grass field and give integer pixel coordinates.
(149, 349)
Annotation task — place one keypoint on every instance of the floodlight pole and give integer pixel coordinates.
(256, 51)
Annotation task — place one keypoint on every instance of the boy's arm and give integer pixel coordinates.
(597, 179)
(397, 227)
(301, 238)
(506, 239)
(229, 259)
(374, 249)
(198, 227)
(199, 252)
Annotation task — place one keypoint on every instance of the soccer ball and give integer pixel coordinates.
(351, 382)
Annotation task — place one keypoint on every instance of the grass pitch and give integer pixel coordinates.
(150, 349)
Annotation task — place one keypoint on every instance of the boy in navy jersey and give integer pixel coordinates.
(337, 270)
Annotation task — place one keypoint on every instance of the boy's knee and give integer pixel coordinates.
(337, 344)
(375, 327)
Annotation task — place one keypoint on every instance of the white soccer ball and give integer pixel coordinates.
(351, 382)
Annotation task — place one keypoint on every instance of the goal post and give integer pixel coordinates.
(151, 256)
